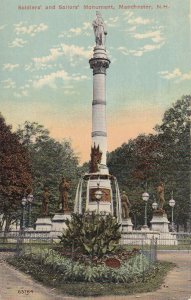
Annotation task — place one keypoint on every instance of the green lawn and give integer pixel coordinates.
(181, 246)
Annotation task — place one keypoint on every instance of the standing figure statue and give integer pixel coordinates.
(96, 155)
(45, 201)
(99, 30)
(160, 191)
(63, 189)
(125, 205)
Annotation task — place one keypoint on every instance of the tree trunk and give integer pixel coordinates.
(7, 223)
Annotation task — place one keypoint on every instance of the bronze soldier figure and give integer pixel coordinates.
(125, 205)
(63, 189)
(160, 191)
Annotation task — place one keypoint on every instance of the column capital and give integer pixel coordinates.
(99, 65)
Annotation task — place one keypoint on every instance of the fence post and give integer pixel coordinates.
(18, 244)
(30, 246)
(150, 252)
(72, 257)
(143, 261)
(155, 249)
(41, 252)
(52, 255)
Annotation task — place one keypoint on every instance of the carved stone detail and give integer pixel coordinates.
(99, 133)
(96, 155)
(100, 102)
(106, 196)
(99, 65)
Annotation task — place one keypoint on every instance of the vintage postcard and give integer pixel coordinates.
(94, 127)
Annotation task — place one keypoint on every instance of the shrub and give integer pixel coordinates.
(92, 234)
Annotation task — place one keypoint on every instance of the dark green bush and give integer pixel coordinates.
(92, 234)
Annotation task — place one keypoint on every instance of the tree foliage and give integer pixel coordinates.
(163, 156)
(51, 160)
(174, 136)
(15, 172)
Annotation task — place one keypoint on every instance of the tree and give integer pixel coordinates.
(136, 164)
(50, 161)
(174, 136)
(164, 156)
(15, 173)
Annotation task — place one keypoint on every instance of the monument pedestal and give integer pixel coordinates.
(159, 221)
(43, 224)
(30, 229)
(127, 225)
(103, 207)
(58, 221)
(145, 228)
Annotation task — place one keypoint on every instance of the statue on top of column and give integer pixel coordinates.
(99, 30)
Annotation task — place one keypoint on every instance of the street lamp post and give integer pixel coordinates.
(154, 204)
(29, 201)
(145, 197)
(172, 204)
(23, 202)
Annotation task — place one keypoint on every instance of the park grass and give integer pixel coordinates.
(185, 246)
(149, 282)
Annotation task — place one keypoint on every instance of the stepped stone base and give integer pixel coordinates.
(159, 221)
(139, 237)
(127, 225)
(43, 224)
(58, 221)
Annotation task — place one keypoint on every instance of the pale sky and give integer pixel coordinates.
(45, 75)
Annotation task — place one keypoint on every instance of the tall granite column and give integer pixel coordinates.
(99, 180)
(102, 190)
(99, 63)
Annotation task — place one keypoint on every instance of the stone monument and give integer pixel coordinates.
(98, 177)
(98, 182)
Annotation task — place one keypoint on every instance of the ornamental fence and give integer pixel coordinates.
(178, 241)
(19, 241)
(171, 241)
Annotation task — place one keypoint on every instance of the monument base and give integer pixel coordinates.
(141, 237)
(127, 225)
(43, 224)
(29, 229)
(102, 207)
(98, 181)
(58, 221)
(145, 228)
(159, 221)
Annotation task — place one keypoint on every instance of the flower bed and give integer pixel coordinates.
(129, 270)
